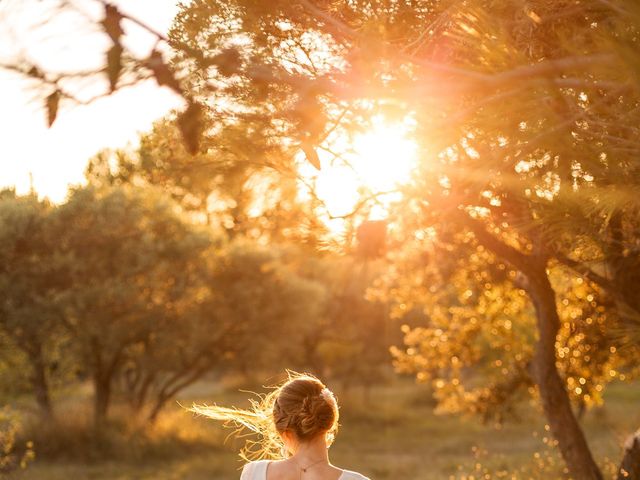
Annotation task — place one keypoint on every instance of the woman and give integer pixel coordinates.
(297, 423)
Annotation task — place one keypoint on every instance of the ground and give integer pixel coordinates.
(395, 435)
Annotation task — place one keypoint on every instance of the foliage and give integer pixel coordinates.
(476, 343)
(13, 364)
(270, 306)
(30, 281)
(12, 456)
(350, 343)
(234, 185)
(133, 262)
(490, 177)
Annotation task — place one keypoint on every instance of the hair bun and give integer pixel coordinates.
(316, 416)
(305, 406)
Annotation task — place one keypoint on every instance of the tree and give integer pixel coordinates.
(508, 171)
(272, 304)
(350, 343)
(251, 310)
(30, 282)
(517, 189)
(236, 185)
(134, 260)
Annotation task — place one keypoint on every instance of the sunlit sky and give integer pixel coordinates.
(55, 158)
(382, 158)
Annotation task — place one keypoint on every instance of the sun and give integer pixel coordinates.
(384, 156)
(379, 161)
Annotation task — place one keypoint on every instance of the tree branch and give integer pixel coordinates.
(513, 256)
(585, 271)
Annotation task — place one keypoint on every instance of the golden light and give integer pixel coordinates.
(379, 161)
(384, 156)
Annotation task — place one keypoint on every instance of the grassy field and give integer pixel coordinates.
(395, 436)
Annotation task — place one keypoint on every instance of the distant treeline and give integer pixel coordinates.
(120, 287)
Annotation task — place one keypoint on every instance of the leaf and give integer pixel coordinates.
(111, 23)
(114, 65)
(190, 124)
(311, 154)
(228, 62)
(163, 74)
(52, 103)
(35, 72)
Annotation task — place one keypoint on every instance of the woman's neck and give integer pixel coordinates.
(312, 452)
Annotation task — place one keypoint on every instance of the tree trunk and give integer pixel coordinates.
(40, 383)
(152, 418)
(171, 389)
(104, 371)
(141, 397)
(555, 399)
(102, 396)
(630, 465)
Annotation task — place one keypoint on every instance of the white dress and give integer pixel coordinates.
(258, 471)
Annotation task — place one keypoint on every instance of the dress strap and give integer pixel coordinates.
(261, 470)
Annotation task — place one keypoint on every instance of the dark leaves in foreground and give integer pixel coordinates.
(114, 65)
(111, 23)
(52, 102)
(163, 73)
(112, 27)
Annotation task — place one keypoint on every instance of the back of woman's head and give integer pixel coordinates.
(302, 405)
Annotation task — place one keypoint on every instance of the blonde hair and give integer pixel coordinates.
(302, 405)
